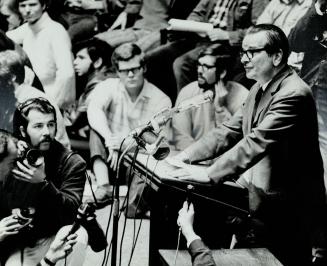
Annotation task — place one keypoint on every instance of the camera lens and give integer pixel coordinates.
(34, 157)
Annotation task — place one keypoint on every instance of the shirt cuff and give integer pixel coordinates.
(191, 239)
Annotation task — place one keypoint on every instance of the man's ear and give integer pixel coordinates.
(22, 131)
(98, 63)
(277, 58)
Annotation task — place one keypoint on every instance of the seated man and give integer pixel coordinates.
(214, 65)
(48, 46)
(153, 15)
(92, 65)
(47, 190)
(116, 107)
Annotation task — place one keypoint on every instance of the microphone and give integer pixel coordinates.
(146, 135)
(162, 118)
(86, 218)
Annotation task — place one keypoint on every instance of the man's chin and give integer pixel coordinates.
(44, 146)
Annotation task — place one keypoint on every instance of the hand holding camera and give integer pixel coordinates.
(30, 165)
(9, 226)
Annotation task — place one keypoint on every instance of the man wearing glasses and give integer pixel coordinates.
(116, 107)
(214, 66)
(273, 139)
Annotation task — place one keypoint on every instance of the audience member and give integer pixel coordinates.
(285, 14)
(154, 16)
(116, 107)
(309, 36)
(214, 65)
(268, 137)
(92, 65)
(48, 46)
(50, 188)
(79, 17)
(11, 80)
(30, 77)
(230, 19)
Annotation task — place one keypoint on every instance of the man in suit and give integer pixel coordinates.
(274, 138)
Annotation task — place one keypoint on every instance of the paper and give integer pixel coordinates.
(189, 25)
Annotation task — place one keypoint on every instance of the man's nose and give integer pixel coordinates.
(130, 73)
(244, 59)
(45, 131)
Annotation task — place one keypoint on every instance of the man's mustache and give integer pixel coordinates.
(46, 139)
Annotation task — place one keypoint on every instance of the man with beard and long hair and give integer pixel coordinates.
(51, 188)
(213, 74)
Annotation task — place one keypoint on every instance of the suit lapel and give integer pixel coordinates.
(271, 89)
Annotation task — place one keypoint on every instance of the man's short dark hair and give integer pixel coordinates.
(223, 54)
(42, 2)
(276, 39)
(21, 113)
(126, 52)
(11, 66)
(96, 49)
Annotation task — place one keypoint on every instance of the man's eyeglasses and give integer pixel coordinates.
(134, 70)
(205, 67)
(250, 52)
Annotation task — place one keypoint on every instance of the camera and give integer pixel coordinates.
(24, 216)
(33, 156)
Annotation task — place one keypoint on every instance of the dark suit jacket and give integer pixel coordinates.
(279, 150)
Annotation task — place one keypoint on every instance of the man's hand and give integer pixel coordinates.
(218, 35)
(62, 245)
(113, 142)
(9, 226)
(185, 221)
(120, 21)
(191, 173)
(29, 173)
(113, 159)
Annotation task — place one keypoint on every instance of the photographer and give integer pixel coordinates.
(52, 186)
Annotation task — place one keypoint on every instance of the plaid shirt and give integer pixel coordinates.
(220, 12)
(123, 115)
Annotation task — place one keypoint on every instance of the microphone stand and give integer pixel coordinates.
(115, 206)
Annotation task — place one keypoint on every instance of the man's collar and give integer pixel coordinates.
(274, 83)
(41, 23)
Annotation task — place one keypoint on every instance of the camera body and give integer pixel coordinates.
(24, 216)
(33, 156)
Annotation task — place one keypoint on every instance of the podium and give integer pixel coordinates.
(212, 205)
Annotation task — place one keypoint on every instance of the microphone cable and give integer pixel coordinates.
(130, 179)
(104, 261)
(139, 228)
(120, 156)
(178, 243)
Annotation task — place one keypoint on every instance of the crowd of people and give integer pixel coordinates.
(94, 70)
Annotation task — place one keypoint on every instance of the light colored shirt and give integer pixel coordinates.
(282, 15)
(111, 110)
(48, 46)
(192, 124)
